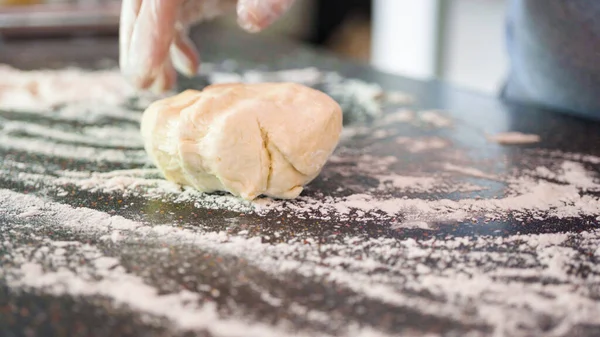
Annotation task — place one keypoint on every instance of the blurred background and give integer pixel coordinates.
(458, 41)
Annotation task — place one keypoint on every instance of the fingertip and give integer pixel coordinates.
(256, 15)
(249, 25)
(170, 77)
(250, 16)
(138, 72)
(166, 79)
(184, 55)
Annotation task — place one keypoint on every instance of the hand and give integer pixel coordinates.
(153, 35)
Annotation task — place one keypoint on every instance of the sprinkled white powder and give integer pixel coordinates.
(508, 284)
(407, 183)
(58, 150)
(151, 186)
(223, 77)
(306, 76)
(415, 145)
(470, 171)
(44, 89)
(569, 156)
(380, 134)
(145, 183)
(92, 112)
(349, 92)
(399, 98)
(363, 163)
(575, 174)
(435, 118)
(29, 214)
(400, 116)
(124, 288)
(526, 196)
(351, 132)
(469, 291)
(379, 168)
(510, 138)
(366, 96)
(99, 136)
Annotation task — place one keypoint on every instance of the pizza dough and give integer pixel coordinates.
(247, 139)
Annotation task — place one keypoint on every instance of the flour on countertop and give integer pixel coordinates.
(415, 145)
(407, 183)
(146, 183)
(37, 90)
(470, 171)
(89, 144)
(435, 118)
(399, 116)
(351, 94)
(507, 308)
(526, 197)
(509, 138)
(82, 146)
(504, 284)
(399, 98)
(93, 135)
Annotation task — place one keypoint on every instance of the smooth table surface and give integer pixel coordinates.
(369, 249)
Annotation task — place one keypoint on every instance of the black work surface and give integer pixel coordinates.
(118, 263)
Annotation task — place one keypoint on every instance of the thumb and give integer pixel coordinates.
(256, 15)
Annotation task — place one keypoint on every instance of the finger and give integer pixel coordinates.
(165, 79)
(151, 40)
(170, 76)
(184, 55)
(256, 15)
(129, 12)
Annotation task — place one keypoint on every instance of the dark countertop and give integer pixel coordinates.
(419, 225)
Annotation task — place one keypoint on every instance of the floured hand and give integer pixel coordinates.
(153, 37)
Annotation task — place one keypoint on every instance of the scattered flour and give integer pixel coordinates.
(567, 156)
(415, 145)
(526, 196)
(123, 288)
(225, 77)
(469, 171)
(483, 286)
(306, 76)
(414, 184)
(89, 144)
(435, 118)
(37, 90)
(571, 173)
(380, 168)
(509, 284)
(354, 93)
(400, 116)
(380, 134)
(92, 112)
(105, 136)
(399, 98)
(514, 138)
(145, 183)
(68, 151)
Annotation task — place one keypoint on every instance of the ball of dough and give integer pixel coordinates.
(247, 139)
